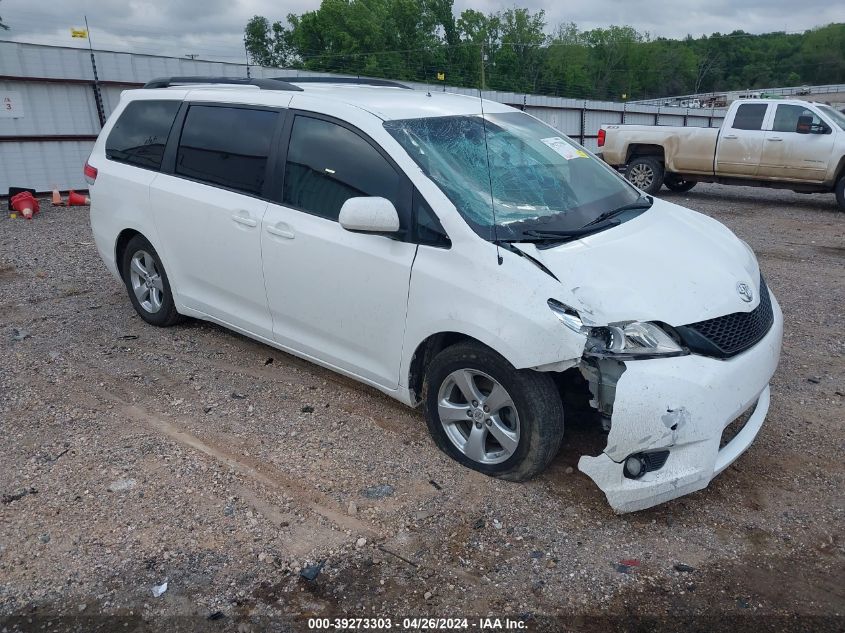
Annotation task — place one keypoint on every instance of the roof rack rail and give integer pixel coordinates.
(263, 84)
(344, 80)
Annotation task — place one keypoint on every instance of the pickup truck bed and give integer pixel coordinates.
(688, 150)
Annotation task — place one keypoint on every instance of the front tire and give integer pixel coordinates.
(840, 193)
(677, 184)
(645, 173)
(490, 417)
(147, 284)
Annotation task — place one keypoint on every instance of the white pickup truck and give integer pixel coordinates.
(788, 144)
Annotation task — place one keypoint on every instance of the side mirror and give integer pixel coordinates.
(805, 124)
(369, 215)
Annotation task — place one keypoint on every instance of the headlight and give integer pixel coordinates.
(568, 316)
(637, 339)
(634, 339)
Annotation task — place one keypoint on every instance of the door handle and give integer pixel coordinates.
(729, 136)
(280, 230)
(241, 218)
(774, 138)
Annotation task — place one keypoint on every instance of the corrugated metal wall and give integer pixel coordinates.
(48, 145)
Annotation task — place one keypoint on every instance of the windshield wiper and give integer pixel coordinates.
(604, 221)
(643, 202)
(563, 235)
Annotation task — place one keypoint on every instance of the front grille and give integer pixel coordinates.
(731, 334)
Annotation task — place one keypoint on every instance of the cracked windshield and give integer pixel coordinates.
(537, 179)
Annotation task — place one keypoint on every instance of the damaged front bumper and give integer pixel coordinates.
(683, 404)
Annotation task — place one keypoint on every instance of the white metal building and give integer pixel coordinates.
(49, 116)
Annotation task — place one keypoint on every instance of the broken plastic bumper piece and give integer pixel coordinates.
(687, 405)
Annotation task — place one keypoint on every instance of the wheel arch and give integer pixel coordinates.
(120, 244)
(122, 241)
(426, 351)
(635, 150)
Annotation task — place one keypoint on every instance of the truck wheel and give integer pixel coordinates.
(677, 183)
(646, 173)
(490, 417)
(840, 193)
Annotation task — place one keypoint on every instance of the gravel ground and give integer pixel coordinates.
(133, 455)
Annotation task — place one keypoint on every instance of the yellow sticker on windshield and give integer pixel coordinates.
(563, 148)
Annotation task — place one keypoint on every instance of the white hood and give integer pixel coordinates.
(669, 264)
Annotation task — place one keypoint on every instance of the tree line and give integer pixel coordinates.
(515, 50)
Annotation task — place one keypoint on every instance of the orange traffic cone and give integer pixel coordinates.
(57, 197)
(25, 204)
(77, 199)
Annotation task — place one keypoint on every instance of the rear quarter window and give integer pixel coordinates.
(140, 134)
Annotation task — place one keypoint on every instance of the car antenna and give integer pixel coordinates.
(490, 180)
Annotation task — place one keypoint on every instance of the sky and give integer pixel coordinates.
(213, 29)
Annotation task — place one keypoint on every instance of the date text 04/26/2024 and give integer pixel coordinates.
(417, 624)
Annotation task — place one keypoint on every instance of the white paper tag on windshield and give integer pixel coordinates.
(563, 148)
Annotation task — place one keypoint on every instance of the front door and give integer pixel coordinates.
(209, 210)
(740, 142)
(792, 155)
(336, 296)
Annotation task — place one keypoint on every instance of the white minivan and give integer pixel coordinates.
(453, 253)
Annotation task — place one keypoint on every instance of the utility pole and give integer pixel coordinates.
(98, 98)
(482, 65)
(246, 54)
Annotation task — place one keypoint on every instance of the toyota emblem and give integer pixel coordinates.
(745, 291)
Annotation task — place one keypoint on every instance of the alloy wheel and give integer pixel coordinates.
(479, 416)
(641, 175)
(146, 281)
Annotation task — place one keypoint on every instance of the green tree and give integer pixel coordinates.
(821, 56)
(511, 51)
(612, 56)
(267, 43)
(403, 39)
(480, 36)
(520, 58)
(565, 72)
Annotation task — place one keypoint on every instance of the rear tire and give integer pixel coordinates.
(840, 193)
(677, 183)
(147, 284)
(518, 434)
(645, 173)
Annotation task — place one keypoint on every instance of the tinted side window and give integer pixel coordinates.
(429, 231)
(226, 146)
(786, 118)
(140, 134)
(749, 116)
(327, 164)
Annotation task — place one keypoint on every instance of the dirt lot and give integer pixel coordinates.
(132, 455)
